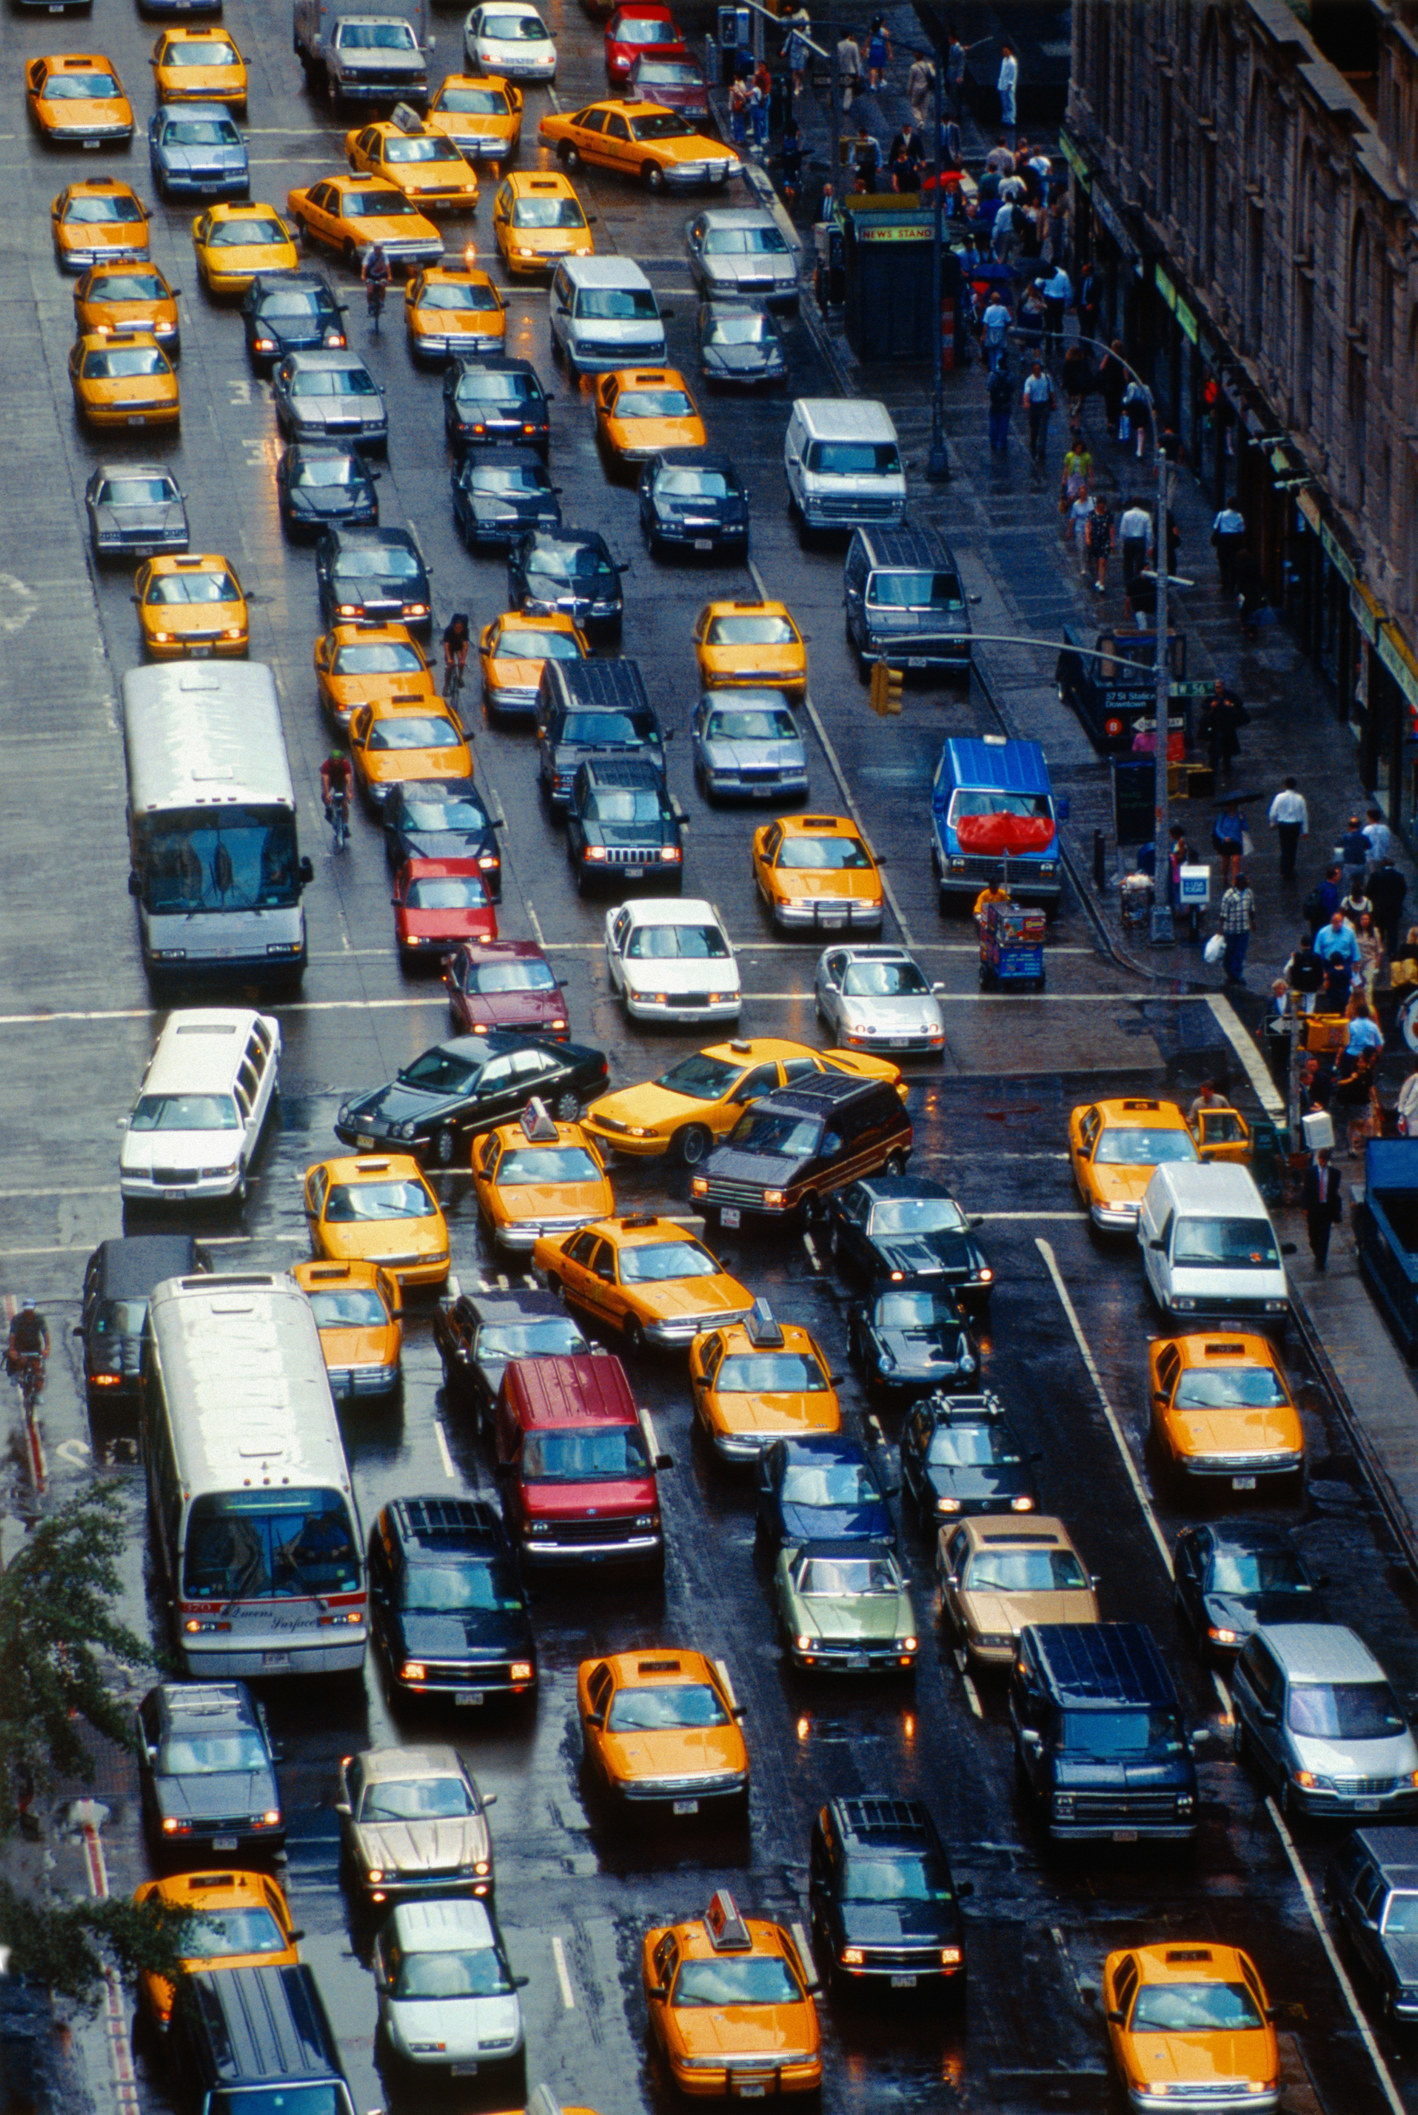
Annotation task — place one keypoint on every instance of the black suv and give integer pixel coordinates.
(377, 575)
(960, 1454)
(447, 1607)
(477, 1334)
(885, 1909)
(497, 498)
(207, 1771)
(790, 1148)
(118, 1278)
(587, 712)
(286, 312)
(491, 400)
(621, 825)
(570, 571)
(693, 500)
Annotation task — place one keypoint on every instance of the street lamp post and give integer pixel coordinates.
(937, 462)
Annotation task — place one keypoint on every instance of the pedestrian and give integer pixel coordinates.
(1076, 375)
(994, 330)
(878, 52)
(1006, 233)
(790, 159)
(1112, 387)
(758, 108)
(1250, 592)
(1371, 953)
(903, 160)
(920, 82)
(1208, 1096)
(1134, 537)
(1099, 537)
(1354, 855)
(1277, 1034)
(1382, 842)
(1387, 890)
(1057, 290)
(1305, 973)
(1007, 84)
(1137, 409)
(1031, 320)
(1038, 403)
(798, 49)
(1323, 900)
(1076, 521)
(1290, 820)
(999, 161)
(955, 58)
(1322, 1199)
(1227, 534)
(866, 159)
(1228, 839)
(1090, 294)
(1077, 471)
(849, 66)
(1238, 917)
(738, 113)
(1171, 448)
(999, 388)
(1338, 948)
(1220, 728)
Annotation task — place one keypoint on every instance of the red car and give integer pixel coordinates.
(675, 84)
(635, 29)
(505, 984)
(437, 903)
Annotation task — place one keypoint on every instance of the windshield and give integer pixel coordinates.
(977, 800)
(416, 1799)
(1105, 1733)
(1344, 1711)
(387, 561)
(122, 1318)
(353, 1202)
(201, 132)
(1258, 1572)
(221, 1934)
(200, 51)
(249, 232)
(1231, 1388)
(617, 303)
(745, 1979)
(916, 1310)
(476, 297)
(213, 1754)
(377, 205)
(1401, 1915)
(665, 1708)
(185, 1112)
(193, 587)
(658, 1262)
(917, 1215)
(426, 811)
(529, 1340)
(387, 659)
(88, 211)
(855, 458)
(336, 382)
(446, 892)
(745, 329)
(668, 73)
(742, 242)
(125, 363)
(129, 286)
(349, 1307)
(249, 1545)
(766, 1131)
(896, 1879)
(692, 484)
(518, 644)
(1026, 1572)
(1119, 1148)
(653, 404)
(548, 213)
(771, 1373)
(663, 125)
(432, 148)
(492, 978)
(884, 980)
(413, 730)
(295, 301)
(474, 102)
(606, 730)
(295, 2100)
(478, 1974)
(326, 470)
(1227, 1244)
(80, 88)
(703, 1078)
(513, 477)
(233, 859)
(915, 591)
(610, 1454)
(376, 36)
(632, 804)
(821, 855)
(750, 631)
(514, 29)
(825, 1577)
(774, 726)
(1194, 2008)
(582, 563)
(531, 1164)
(829, 1483)
(979, 1446)
(441, 1071)
(444, 1589)
(138, 492)
(686, 943)
(489, 386)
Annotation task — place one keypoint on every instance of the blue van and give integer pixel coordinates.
(991, 801)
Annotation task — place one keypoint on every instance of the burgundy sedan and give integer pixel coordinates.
(505, 984)
(437, 903)
(673, 84)
(638, 28)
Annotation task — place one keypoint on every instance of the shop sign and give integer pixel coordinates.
(1368, 613)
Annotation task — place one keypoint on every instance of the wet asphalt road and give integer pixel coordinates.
(75, 1028)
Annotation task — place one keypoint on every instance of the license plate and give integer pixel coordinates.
(858, 1659)
(898, 1042)
(1243, 1483)
(89, 146)
(1367, 1806)
(469, 1696)
(135, 418)
(229, 1843)
(834, 918)
(915, 660)
(364, 1140)
(633, 873)
(731, 1216)
(174, 1196)
(275, 1659)
(753, 2089)
(463, 2070)
(686, 1806)
(703, 543)
(903, 1982)
(1125, 1835)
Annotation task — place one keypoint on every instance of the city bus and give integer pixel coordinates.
(214, 866)
(249, 1496)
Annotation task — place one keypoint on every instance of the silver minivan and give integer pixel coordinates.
(201, 1108)
(1315, 1714)
(843, 463)
(604, 315)
(1208, 1247)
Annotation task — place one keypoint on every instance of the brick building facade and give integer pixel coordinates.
(1248, 186)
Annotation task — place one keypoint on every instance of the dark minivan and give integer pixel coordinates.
(257, 2041)
(905, 603)
(592, 709)
(1098, 1735)
(791, 1147)
(118, 1278)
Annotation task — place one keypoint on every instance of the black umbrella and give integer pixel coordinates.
(1235, 800)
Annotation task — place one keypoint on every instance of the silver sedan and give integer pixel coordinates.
(329, 396)
(135, 510)
(878, 998)
(745, 745)
(741, 250)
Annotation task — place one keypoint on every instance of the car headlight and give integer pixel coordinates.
(908, 1644)
(521, 1671)
(777, 1197)
(951, 1956)
(374, 1875)
(966, 1362)
(1221, 1636)
(413, 1671)
(408, 1129)
(852, 1956)
(947, 1505)
(1022, 1504)
(1309, 1782)
(804, 1643)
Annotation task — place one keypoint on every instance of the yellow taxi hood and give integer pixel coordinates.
(652, 1105)
(675, 1751)
(364, 1346)
(789, 1412)
(553, 1200)
(744, 2030)
(1118, 1185)
(835, 883)
(692, 1296)
(1213, 2058)
(1238, 1431)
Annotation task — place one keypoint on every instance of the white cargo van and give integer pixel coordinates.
(604, 315)
(843, 464)
(200, 1111)
(1208, 1247)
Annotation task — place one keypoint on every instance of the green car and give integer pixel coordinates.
(845, 1609)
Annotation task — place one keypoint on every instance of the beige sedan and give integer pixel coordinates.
(997, 1575)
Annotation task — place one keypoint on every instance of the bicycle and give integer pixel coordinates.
(28, 1376)
(337, 815)
(375, 292)
(453, 673)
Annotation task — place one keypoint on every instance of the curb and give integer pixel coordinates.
(1380, 1482)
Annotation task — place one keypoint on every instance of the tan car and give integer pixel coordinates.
(997, 1575)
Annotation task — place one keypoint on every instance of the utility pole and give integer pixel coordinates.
(937, 462)
(1163, 927)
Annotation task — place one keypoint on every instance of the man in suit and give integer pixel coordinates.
(1321, 1200)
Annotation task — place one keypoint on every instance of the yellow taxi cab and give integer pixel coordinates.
(237, 240)
(730, 2004)
(453, 310)
(1190, 2026)
(1113, 1148)
(239, 1920)
(757, 1381)
(393, 742)
(661, 147)
(77, 100)
(514, 649)
(699, 1100)
(650, 1278)
(118, 295)
(191, 605)
(998, 1574)
(538, 1177)
(1222, 1410)
(662, 1727)
(642, 410)
(377, 1208)
(353, 213)
(123, 378)
(753, 643)
(480, 113)
(536, 219)
(193, 65)
(369, 664)
(100, 218)
(422, 163)
(816, 871)
(357, 1312)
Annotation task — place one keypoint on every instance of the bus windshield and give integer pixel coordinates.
(234, 859)
(254, 1545)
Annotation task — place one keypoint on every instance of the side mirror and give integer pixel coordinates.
(669, 734)
(174, 291)
(343, 1809)
(950, 1579)
(964, 1890)
(1030, 1738)
(974, 598)
(658, 1991)
(296, 1937)
(489, 1799)
(664, 1461)
(978, 1219)
(596, 1719)
(1287, 1248)
(307, 869)
(135, 886)
(77, 1330)
(941, 987)
(1115, 2018)
(1160, 1246)
(521, 1981)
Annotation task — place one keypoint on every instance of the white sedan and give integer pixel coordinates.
(878, 998)
(503, 38)
(670, 959)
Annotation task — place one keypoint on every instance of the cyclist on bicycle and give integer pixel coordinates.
(335, 777)
(29, 1338)
(375, 274)
(457, 638)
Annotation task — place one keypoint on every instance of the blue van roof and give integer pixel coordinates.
(1010, 767)
(1096, 1666)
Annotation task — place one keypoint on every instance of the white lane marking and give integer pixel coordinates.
(448, 1469)
(563, 1976)
(1252, 1064)
(814, 1260)
(804, 1950)
(652, 1437)
(972, 1695)
(1058, 1938)
(96, 1189)
(721, 1669)
(1341, 1976)
(536, 924)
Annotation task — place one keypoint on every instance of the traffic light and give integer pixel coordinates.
(885, 693)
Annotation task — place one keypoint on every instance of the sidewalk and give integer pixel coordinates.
(1002, 517)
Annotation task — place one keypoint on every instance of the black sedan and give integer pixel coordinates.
(286, 312)
(821, 1489)
(885, 1907)
(960, 1454)
(908, 1339)
(900, 1229)
(445, 1097)
(571, 571)
(442, 819)
(373, 574)
(447, 1608)
(491, 400)
(1372, 1889)
(321, 482)
(693, 500)
(498, 498)
(740, 346)
(1231, 1576)
(477, 1334)
(207, 1771)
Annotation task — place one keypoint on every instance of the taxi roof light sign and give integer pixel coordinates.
(538, 1123)
(726, 1928)
(763, 1327)
(406, 118)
